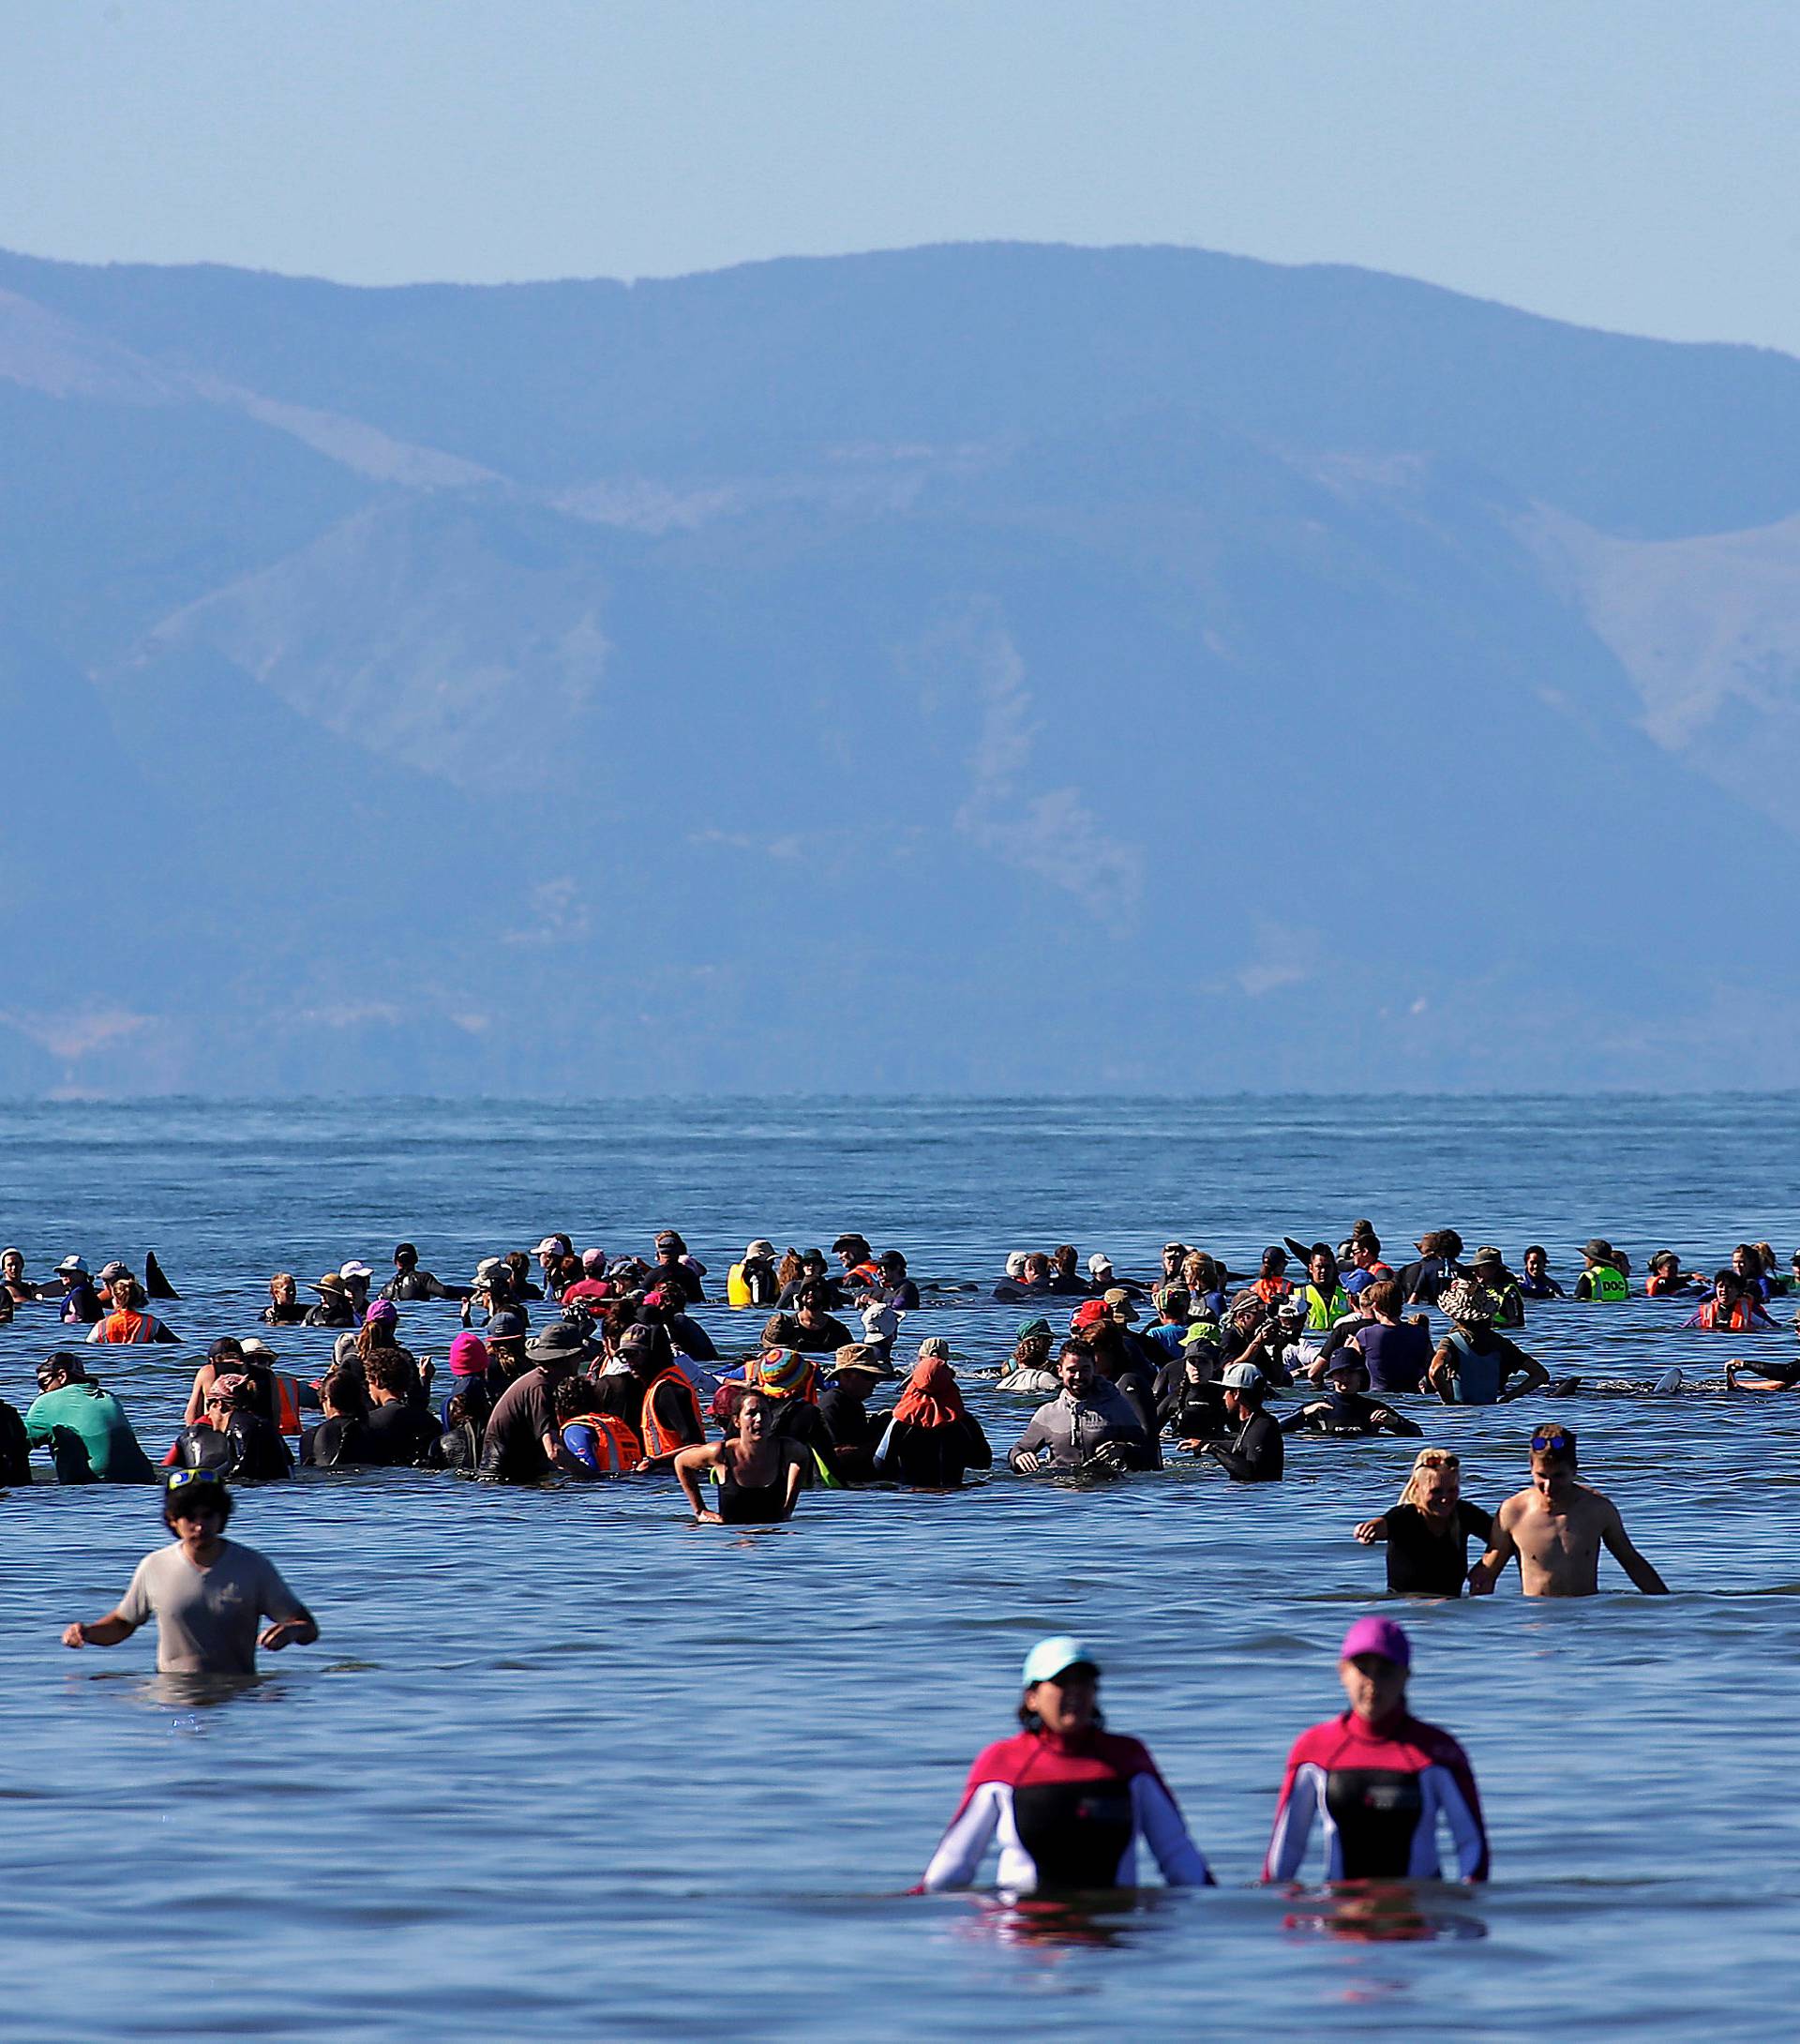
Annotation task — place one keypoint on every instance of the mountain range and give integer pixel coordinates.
(975, 669)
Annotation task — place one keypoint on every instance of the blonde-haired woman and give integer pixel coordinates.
(1428, 1531)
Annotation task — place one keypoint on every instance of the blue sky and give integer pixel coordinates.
(1627, 163)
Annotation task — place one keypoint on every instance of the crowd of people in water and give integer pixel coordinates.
(571, 1365)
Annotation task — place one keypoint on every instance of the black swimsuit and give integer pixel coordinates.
(751, 1504)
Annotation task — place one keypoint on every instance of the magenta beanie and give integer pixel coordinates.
(468, 1356)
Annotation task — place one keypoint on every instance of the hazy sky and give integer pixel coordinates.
(1631, 164)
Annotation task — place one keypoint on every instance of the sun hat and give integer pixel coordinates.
(1378, 1636)
(1118, 1302)
(760, 1247)
(1599, 1250)
(1465, 1303)
(1055, 1657)
(1242, 1376)
(938, 1345)
(1015, 1264)
(331, 1285)
(1487, 1257)
(253, 1344)
(1200, 1333)
(864, 1360)
(561, 1342)
(880, 1322)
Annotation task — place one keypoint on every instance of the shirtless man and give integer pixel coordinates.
(1557, 1528)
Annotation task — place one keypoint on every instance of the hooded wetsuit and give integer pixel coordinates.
(1069, 1814)
(1380, 1793)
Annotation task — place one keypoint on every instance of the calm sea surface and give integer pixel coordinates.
(564, 1765)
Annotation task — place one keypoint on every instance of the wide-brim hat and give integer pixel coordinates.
(331, 1285)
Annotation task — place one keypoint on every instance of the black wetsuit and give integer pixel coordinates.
(1422, 1563)
(1253, 1455)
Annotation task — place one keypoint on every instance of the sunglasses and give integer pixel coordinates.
(180, 1479)
(1550, 1443)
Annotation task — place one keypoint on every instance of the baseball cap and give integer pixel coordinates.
(113, 1270)
(1052, 1656)
(505, 1326)
(1242, 1376)
(1117, 1302)
(1091, 1313)
(1097, 1263)
(550, 1246)
(71, 1267)
(1378, 1636)
(354, 1268)
(1026, 1328)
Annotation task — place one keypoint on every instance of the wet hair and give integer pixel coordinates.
(1064, 1256)
(1534, 1249)
(61, 1363)
(1424, 1463)
(1384, 1295)
(280, 1279)
(1448, 1243)
(201, 1491)
(1037, 1264)
(1565, 1453)
(574, 1395)
(406, 1250)
(1752, 1255)
(1073, 1347)
(787, 1270)
(1032, 1352)
(128, 1295)
(227, 1348)
(1363, 1237)
(387, 1370)
(520, 1263)
(345, 1393)
(372, 1338)
(1730, 1279)
(567, 1270)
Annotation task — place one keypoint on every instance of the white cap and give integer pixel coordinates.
(1242, 1376)
(880, 1323)
(354, 1268)
(1015, 1264)
(1097, 1263)
(70, 1267)
(549, 1243)
(1051, 1658)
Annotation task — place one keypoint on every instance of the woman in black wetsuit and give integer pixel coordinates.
(757, 1471)
(1427, 1532)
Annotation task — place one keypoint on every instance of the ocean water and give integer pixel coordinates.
(564, 1765)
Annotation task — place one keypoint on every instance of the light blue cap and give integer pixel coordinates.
(1051, 1658)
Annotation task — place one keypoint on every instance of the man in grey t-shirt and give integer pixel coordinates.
(206, 1593)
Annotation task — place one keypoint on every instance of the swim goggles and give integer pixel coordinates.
(1551, 1442)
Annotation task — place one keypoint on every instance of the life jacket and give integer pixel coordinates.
(287, 1403)
(1325, 1310)
(1607, 1285)
(737, 1291)
(1742, 1321)
(656, 1438)
(617, 1450)
(865, 1273)
(125, 1326)
(1269, 1289)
